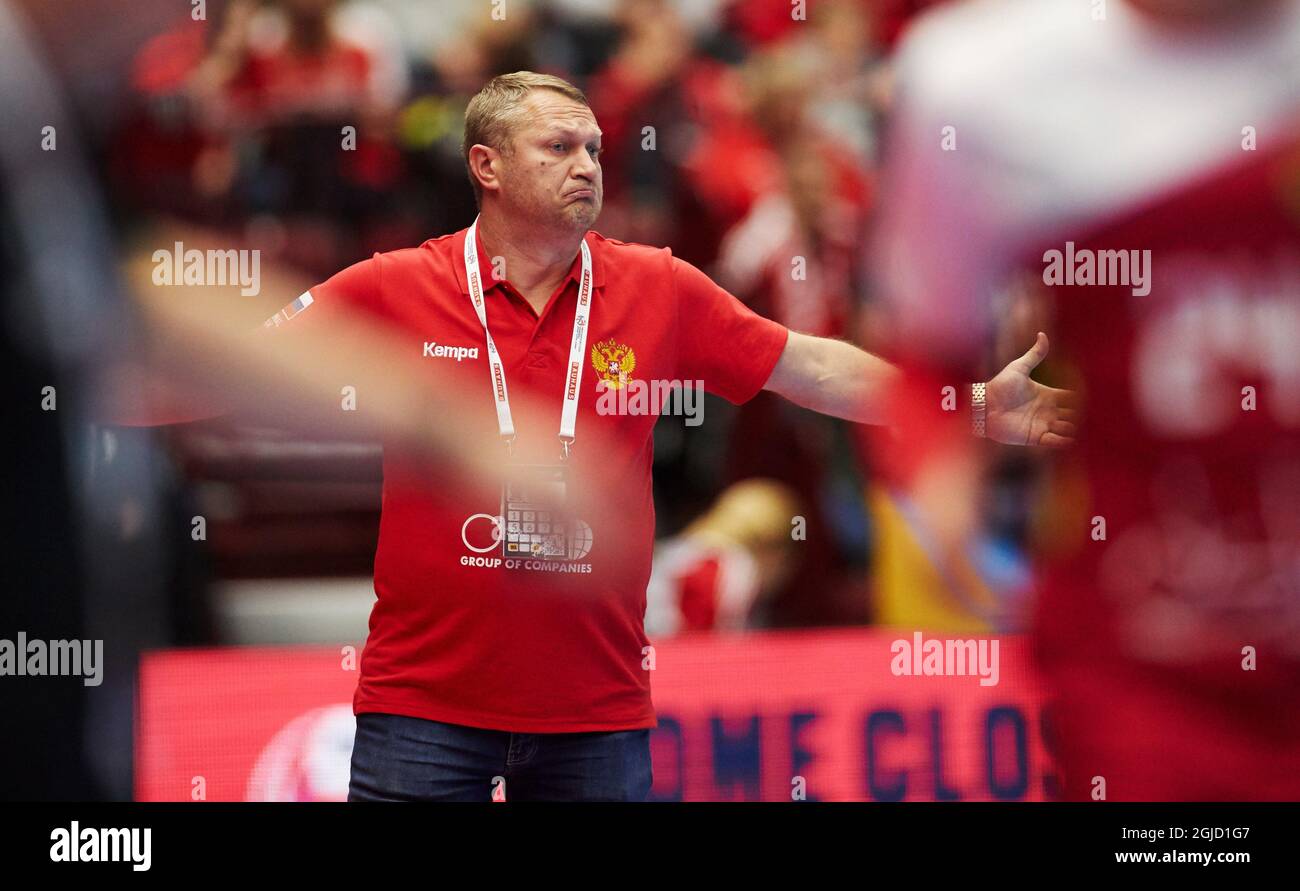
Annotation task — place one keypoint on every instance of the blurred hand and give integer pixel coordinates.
(1021, 411)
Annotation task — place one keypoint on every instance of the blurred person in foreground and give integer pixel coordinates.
(1143, 166)
(507, 646)
(720, 572)
(97, 538)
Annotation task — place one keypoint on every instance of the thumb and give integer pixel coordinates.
(1036, 354)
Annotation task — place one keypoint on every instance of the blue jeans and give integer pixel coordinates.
(397, 758)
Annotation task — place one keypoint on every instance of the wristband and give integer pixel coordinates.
(977, 408)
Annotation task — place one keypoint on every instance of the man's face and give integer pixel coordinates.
(553, 174)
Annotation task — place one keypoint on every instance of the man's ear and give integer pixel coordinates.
(484, 166)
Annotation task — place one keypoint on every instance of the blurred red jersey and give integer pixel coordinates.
(1149, 176)
(1183, 589)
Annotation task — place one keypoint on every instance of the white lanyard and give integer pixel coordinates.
(573, 380)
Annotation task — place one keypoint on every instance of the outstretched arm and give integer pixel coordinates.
(833, 377)
(836, 378)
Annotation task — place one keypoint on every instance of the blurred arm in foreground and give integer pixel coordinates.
(207, 353)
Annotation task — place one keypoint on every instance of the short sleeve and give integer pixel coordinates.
(355, 289)
(721, 341)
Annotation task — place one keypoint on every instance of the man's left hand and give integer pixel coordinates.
(1021, 411)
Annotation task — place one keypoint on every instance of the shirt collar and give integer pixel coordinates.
(485, 265)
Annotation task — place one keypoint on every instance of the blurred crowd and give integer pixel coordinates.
(743, 135)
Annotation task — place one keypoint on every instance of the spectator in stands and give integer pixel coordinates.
(720, 571)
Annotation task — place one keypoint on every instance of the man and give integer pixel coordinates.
(1164, 133)
(507, 655)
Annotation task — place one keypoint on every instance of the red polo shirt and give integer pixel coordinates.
(534, 648)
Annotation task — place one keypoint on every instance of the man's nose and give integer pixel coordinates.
(586, 168)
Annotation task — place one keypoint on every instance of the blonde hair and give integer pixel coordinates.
(494, 112)
(754, 513)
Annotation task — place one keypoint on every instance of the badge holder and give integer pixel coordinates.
(533, 497)
(533, 501)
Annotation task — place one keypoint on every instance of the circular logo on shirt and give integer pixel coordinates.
(482, 534)
(478, 534)
(580, 541)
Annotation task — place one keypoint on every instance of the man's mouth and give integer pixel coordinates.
(581, 193)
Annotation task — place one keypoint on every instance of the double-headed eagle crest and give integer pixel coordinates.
(614, 362)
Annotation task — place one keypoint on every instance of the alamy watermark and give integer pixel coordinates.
(652, 397)
(76, 844)
(946, 658)
(211, 267)
(38, 658)
(1088, 267)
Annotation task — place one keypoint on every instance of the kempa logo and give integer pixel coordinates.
(194, 267)
(35, 658)
(945, 658)
(1086, 267)
(652, 397)
(77, 845)
(441, 351)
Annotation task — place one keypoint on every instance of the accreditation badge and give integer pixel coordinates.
(534, 522)
(533, 505)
